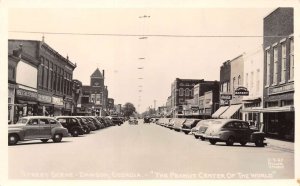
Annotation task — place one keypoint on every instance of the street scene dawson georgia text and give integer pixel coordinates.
(151, 93)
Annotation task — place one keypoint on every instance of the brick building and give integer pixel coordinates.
(279, 114)
(94, 96)
(43, 79)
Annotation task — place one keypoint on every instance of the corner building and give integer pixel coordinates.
(279, 113)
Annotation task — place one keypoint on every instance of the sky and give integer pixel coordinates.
(166, 58)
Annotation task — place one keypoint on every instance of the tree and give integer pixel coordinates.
(128, 109)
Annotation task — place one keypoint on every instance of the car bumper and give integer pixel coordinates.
(186, 130)
(212, 137)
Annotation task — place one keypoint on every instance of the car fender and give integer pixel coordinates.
(62, 131)
(224, 135)
(19, 132)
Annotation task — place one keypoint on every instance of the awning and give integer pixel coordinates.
(220, 111)
(231, 111)
(270, 109)
(27, 102)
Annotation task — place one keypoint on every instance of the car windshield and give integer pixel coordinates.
(189, 121)
(22, 121)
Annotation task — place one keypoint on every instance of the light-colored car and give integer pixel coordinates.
(133, 120)
(36, 128)
(178, 124)
(231, 131)
(202, 126)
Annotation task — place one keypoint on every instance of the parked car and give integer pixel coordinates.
(171, 123)
(108, 121)
(188, 125)
(102, 121)
(178, 124)
(147, 119)
(85, 126)
(116, 121)
(88, 122)
(72, 124)
(94, 121)
(231, 131)
(36, 128)
(133, 120)
(201, 127)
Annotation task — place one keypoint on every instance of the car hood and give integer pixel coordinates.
(16, 126)
(213, 129)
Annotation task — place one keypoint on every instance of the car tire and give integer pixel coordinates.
(212, 141)
(259, 143)
(57, 138)
(202, 138)
(44, 140)
(243, 143)
(13, 139)
(230, 141)
(197, 137)
(87, 131)
(75, 132)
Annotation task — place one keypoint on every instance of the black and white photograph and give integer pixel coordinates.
(149, 91)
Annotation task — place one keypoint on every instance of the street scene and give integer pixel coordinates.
(150, 93)
(151, 152)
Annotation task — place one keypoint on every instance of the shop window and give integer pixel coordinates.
(287, 102)
(272, 104)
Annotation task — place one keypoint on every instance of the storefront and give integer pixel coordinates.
(58, 106)
(11, 103)
(27, 104)
(45, 106)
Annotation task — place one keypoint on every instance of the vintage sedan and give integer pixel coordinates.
(72, 124)
(202, 126)
(188, 125)
(36, 128)
(133, 121)
(178, 124)
(231, 131)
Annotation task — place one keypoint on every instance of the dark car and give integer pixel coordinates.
(231, 131)
(85, 126)
(94, 121)
(108, 121)
(102, 121)
(147, 120)
(188, 125)
(89, 123)
(72, 124)
(116, 120)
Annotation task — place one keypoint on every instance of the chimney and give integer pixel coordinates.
(103, 73)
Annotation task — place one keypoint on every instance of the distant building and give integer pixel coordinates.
(231, 80)
(94, 95)
(279, 113)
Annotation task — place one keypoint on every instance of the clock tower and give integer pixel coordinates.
(97, 79)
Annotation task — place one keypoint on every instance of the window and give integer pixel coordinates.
(181, 92)
(233, 83)
(251, 81)
(181, 84)
(187, 92)
(257, 80)
(33, 122)
(275, 58)
(229, 126)
(181, 101)
(291, 59)
(283, 62)
(44, 121)
(52, 122)
(245, 125)
(268, 67)
(246, 81)
(239, 80)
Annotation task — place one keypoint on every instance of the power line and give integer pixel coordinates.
(144, 35)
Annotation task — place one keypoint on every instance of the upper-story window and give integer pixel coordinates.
(283, 62)
(275, 57)
(187, 92)
(291, 59)
(239, 80)
(181, 92)
(268, 56)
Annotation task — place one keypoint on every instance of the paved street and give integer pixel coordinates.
(145, 151)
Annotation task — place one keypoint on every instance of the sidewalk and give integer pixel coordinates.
(280, 145)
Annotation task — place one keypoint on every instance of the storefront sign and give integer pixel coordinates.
(57, 101)
(26, 94)
(281, 89)
(225, 96)
(44, 98)
(241, 91)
